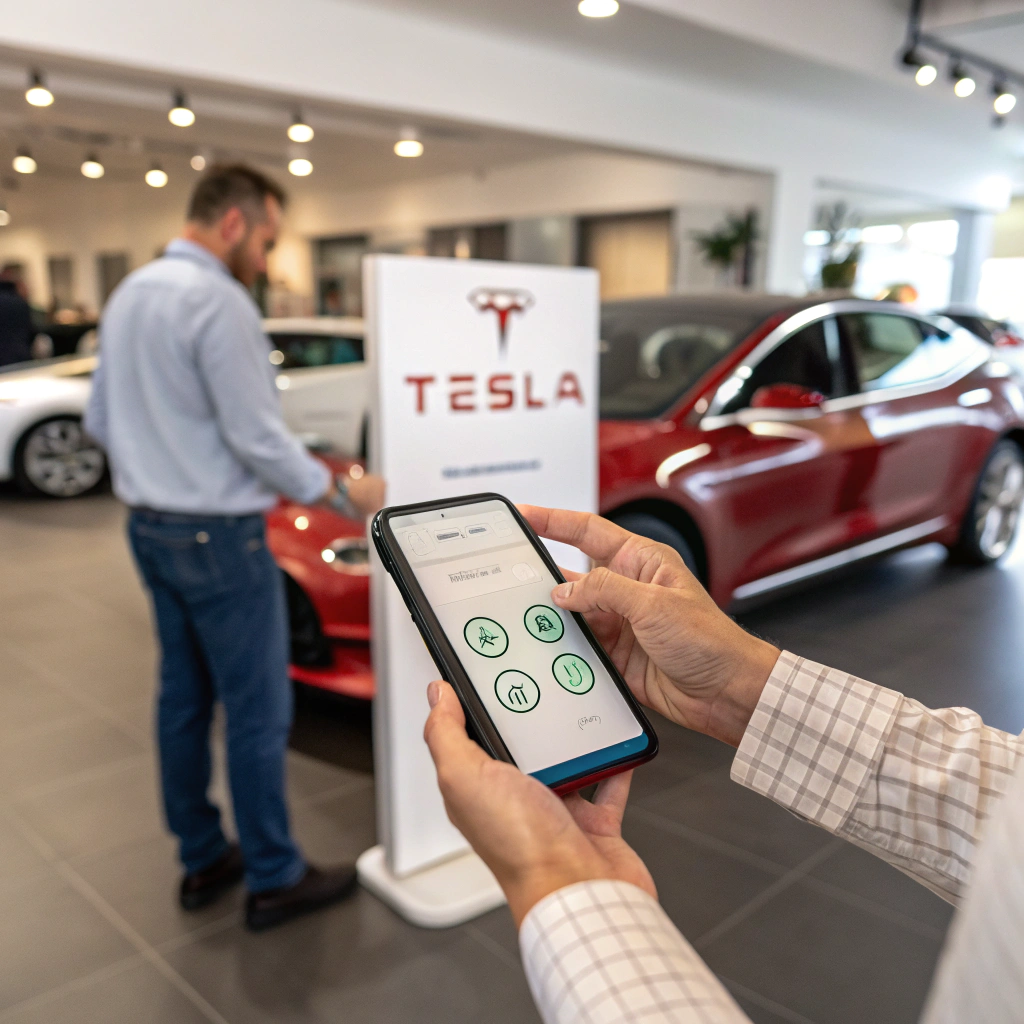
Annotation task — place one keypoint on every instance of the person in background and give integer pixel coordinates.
(936, 793)
(185, 403)
(16, 330)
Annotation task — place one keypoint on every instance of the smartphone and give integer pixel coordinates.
(537, 688)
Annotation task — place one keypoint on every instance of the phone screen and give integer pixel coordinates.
(547, 692)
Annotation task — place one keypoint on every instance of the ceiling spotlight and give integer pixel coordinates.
(23, 162)
(156, 176)
(300, 167)
(598, 8)
(198, 162)
(37, 94)
(963, 84)
(1003, 100)
(408, 144)
(926, 74)
(181, 115)
(298, 130)
(5, 217)
(91, 167)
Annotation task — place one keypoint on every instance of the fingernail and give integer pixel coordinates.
(563, 591)
(433, 693)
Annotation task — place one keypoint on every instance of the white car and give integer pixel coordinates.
(322, 377)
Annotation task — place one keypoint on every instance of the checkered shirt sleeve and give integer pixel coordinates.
(605, 952)
(912, 785)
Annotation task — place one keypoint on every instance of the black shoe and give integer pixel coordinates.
(203, 887)
(317, 888)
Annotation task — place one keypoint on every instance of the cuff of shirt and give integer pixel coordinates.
(604, 952)
(815, 739)
(315, 486)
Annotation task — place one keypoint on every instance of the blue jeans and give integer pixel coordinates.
(220, 612)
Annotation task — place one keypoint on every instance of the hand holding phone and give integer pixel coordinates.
(532, 840)
(537, 688)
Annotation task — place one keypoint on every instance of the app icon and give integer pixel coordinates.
(544, 623)
(572, 673)
(486, 637)
(517, 691)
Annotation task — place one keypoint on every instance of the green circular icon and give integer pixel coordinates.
(544, 623)
(486, 637)
(517, 691)
(572, 673)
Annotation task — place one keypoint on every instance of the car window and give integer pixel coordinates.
(295, 351)
(648, 363)
(891, 350)
(801, 359)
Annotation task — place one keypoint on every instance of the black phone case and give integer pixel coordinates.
(478, 721)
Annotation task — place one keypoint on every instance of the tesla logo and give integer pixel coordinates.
(502, 302)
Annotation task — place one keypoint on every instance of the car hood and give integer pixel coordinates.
(49, 369)
(623, 433)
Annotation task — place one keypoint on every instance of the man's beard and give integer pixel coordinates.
(237, 262)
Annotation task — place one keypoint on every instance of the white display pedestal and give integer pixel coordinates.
(441, 896)
(485, 380)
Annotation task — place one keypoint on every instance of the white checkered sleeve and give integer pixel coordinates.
(605, 952)
(912, 785)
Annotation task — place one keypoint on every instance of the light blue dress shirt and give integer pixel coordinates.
(184, 399)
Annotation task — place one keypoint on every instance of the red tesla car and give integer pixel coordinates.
(768, 439)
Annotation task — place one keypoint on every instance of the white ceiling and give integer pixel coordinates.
(653, 41)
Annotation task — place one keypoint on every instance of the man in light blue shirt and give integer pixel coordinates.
(185, 403)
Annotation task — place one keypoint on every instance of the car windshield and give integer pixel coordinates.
(650, 357)
(296, 351)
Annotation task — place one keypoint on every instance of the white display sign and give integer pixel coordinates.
(486, 380)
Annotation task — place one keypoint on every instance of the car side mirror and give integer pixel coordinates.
(786, 396)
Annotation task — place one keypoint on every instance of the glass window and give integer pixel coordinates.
(801, 359)
(304, 350)
(651, 357)
(891, 350)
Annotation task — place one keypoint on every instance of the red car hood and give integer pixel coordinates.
(616, 433)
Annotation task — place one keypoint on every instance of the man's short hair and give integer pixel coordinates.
(223, 186)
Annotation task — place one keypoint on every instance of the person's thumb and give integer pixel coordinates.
(602, 590)
(445, 731)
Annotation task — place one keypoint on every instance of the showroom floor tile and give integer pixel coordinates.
(803, 929)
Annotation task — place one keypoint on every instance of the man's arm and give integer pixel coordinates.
(232, 354)
(912, 785)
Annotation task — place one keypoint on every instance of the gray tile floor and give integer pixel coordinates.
(800, 926)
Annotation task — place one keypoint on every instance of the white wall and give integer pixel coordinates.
(83, 218)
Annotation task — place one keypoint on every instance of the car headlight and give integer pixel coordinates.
(349, 555)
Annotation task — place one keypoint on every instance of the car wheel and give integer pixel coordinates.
(58, 459)
(990, 525)
(657, 529)
(309, 647)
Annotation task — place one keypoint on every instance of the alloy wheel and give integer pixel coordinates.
(60, 460)
(1000, 496)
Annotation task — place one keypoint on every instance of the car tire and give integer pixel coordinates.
(990, 524)
(647, 525)
(309, 647)
(55, 458)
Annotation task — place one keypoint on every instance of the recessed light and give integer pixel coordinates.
(300, 167)
(598, 8)
(156, 177)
